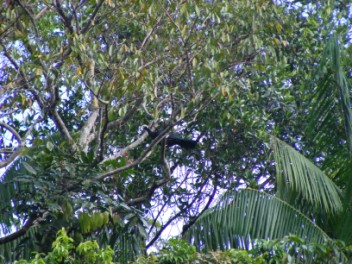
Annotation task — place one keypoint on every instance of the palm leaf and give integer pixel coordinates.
(331, 99)
(341, 224)
(297, 174)
(20, 246)
(10, 186)
(245, 215)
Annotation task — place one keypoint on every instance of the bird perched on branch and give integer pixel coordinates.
(173, 139)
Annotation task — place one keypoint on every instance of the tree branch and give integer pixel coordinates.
(91, 18)
(156, 184)
(141, 158)
(125, 150)
(103, 125)
(193, 220)
(31, 18)
(66, 19)
(19, 233)
(32, 221)
(15, 153)
(86, 132)
(62, 127)
(170, 221)
(52, 112)
(145, 41)
(24, 77)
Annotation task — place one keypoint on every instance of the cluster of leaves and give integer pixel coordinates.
(289, 249)
(64, 250)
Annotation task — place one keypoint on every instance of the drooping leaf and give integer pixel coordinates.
(295, 173)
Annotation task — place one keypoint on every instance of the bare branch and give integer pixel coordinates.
(87, 135)
(141, 158)
(125, 150)
(19, 233)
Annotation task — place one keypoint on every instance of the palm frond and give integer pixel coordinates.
(19, 245)
(296, 173)
(333, 49)
(341, 224)
(11, 184)
(245, 215)
(331, 99)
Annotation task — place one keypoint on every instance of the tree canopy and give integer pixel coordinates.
(263, 87)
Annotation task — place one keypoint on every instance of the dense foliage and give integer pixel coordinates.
(290, 249)
(65, 251)
(262, 86)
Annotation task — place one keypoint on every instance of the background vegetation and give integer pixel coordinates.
(263, 86)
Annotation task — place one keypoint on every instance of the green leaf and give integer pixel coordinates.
(49, 145)
(332, 90)
(29, 168)
(244, 215)
(297, 174)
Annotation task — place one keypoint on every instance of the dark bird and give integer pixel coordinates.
(173, 139)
